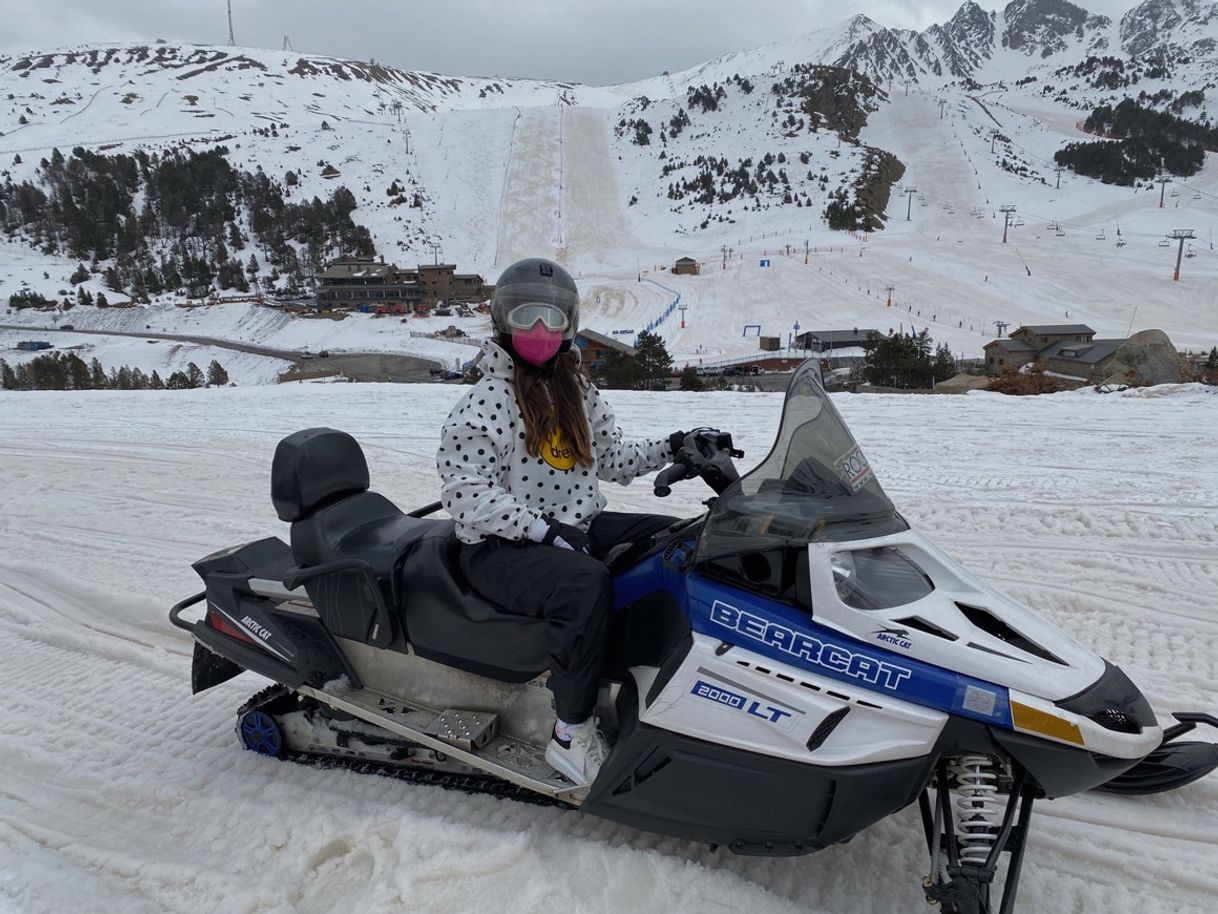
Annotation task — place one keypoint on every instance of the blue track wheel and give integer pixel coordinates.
(260, 733)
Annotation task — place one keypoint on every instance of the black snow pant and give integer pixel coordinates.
(572, 591)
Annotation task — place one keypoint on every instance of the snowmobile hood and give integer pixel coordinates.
(871, 576)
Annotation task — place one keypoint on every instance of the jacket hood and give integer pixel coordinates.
(496, 362)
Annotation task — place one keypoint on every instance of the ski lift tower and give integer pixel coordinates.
(909, 192)
(1007, 210)
(231, 39)
(1180, 235)
(682, 307)
(1001, 327)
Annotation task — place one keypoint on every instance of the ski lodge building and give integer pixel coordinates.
(828, 340)
(1066, 349)
(594, 347)
(366, 284)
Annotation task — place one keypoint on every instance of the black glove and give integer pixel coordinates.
(706, 441)
(549, 532)
(676, 441)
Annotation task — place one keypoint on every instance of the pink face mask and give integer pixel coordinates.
(538, 344)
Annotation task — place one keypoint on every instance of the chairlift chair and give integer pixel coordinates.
(1164, 243)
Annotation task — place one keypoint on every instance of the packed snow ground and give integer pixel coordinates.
(122, 792)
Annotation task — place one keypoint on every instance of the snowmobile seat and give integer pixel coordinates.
(319, 484)
(449, 623)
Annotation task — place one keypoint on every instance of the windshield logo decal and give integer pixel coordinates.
(813, 650)
(854, 469)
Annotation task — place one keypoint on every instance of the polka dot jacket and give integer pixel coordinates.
(491, 485)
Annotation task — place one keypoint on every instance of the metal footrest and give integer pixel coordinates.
(468, 730)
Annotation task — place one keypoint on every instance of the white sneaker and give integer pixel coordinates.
(580, 757)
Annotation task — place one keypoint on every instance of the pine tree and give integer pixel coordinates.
(78, 373)
(622, 372)
(79, 275)
(944, 364)
(97, 375)
(155, 382)
(655, 363)
(690, 379)
(8, 377)
(216, 375)
(194, 376)
(101, 301)
(1209, 373)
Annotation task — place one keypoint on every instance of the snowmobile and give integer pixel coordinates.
(785, 670)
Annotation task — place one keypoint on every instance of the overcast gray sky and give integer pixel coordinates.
(590, 41)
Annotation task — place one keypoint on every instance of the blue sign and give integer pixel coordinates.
(764, 263)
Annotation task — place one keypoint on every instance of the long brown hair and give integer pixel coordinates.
(553, 401)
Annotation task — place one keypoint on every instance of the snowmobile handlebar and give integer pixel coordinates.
(709, 457)
(668, 476)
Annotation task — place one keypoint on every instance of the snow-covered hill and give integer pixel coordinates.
(122, 792)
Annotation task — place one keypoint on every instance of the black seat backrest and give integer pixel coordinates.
(319, 483)
(314, 467)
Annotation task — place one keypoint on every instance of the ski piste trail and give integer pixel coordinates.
(124, 793)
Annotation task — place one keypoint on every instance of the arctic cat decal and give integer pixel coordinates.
(897, 636)
(797, 644)
(253, 626)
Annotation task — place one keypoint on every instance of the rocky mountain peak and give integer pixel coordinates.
(1157, 23)
(1042, 26)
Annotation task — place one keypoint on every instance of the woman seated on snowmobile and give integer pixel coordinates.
(519, 459)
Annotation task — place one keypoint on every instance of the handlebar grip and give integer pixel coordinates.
(667, 476)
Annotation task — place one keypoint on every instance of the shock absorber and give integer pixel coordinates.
(978, 810)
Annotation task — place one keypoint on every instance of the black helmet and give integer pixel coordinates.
(535, 289)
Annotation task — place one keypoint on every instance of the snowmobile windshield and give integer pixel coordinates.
(815, 484)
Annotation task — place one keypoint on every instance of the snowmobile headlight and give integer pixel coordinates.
(842, 564)
(1117, 720)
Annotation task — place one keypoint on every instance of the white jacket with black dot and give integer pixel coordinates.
(490, 485)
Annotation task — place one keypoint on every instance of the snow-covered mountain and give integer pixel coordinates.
(728, 162)
(1025, 37)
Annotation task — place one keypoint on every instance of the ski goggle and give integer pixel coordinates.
(523, 317)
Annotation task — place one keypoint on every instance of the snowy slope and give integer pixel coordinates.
(123, 793)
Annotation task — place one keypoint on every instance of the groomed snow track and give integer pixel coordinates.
(122, 792)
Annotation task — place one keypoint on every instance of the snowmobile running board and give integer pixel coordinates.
(511, 759)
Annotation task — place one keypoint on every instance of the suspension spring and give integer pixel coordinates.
(978, 810)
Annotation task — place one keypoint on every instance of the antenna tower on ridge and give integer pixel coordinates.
(231, 40)
(287, 44)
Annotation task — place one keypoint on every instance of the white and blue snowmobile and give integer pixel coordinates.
(785, 670)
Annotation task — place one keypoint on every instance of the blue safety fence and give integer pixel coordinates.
(668, 309)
